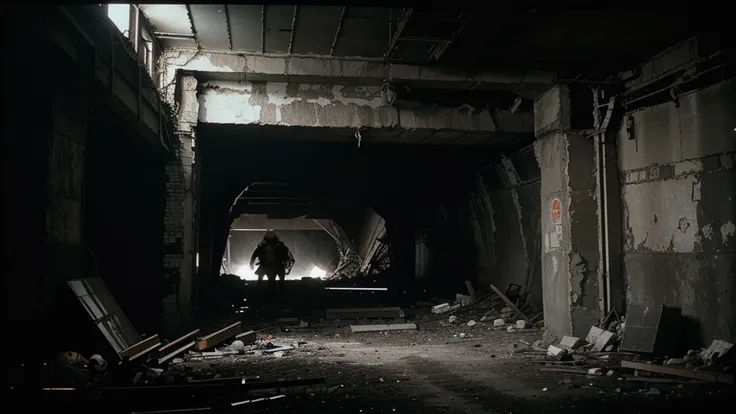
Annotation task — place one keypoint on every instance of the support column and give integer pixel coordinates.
(574, 273)
(179, 232)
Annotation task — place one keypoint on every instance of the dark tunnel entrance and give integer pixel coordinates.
(421, 212)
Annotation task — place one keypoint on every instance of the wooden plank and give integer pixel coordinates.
(177, 343)
(145, 351)
(354, 313)
(510, 304)
(679, 372)
(218, 337)
(142, 346)
(176, 352)
(383, 327)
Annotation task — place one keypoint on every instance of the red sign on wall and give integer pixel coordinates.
(556, 209)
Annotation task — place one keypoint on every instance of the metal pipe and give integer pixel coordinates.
(173, 36)
(602, 258)
(606, 240)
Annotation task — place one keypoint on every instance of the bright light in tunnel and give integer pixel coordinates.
(317, 272)
(246, 273)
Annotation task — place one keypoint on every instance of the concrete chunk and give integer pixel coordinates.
(599, 338)
(571, 342)
(554, 351)
(499, 323)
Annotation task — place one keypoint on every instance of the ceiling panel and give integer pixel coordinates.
(211, 25)
(168, 18)
(178, 43)
(364, 32)
(315, 29)
(278, 28)
(246, 27)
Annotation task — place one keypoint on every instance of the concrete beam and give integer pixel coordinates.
(330, 70)
(343, 109)
(261, 221)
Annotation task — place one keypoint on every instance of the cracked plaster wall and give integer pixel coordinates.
(336, 106)
(569, 247)
(679, 200)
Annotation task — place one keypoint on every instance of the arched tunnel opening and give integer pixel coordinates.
(413, 221)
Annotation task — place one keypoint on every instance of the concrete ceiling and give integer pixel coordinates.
(561, 40)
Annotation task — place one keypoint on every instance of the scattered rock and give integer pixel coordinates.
(653, 391)
(520, 324)
(499, 323)
(452, 319)
(555, 351)
(571, 342)
(237, 346)
(471, 323)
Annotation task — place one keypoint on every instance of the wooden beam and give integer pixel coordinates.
(144, 346)
(383, 327)
(218, 337)
(176, 352)
(180, 341)
(510, 304)
(679, 372)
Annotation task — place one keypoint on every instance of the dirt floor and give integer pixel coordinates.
(441, 368)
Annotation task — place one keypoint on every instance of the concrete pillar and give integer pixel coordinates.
(179, 232)
(573, 282)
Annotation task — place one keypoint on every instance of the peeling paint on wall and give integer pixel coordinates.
(337, 106)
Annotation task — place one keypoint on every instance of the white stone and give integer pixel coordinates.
(499, 323)
(471, 323)
(521, 324)
(571, 342)
(237, 346)
(554, 351)
(452, 319)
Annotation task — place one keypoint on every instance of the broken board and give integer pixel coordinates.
(679, 372)
(105, 312)
(218, 337)
(383, 327)
(358, 313)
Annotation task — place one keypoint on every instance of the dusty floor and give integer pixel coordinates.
(434, 370)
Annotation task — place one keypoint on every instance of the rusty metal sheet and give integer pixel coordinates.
(105, 312)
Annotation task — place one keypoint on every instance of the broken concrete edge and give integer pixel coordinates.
(218, 337)
(249, 66)
(386, 327)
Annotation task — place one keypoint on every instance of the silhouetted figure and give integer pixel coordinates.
(275, 259)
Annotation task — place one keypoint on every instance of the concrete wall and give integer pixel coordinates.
(339, 106)
(679, 196)
(491, 236)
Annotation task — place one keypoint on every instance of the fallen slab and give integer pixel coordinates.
(383, 327)
(679, 372)
(218, 337)
(357, 313)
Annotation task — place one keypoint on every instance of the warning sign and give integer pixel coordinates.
(556, 211)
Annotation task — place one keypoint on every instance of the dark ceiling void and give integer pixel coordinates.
(575, 40)
(322, 180)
